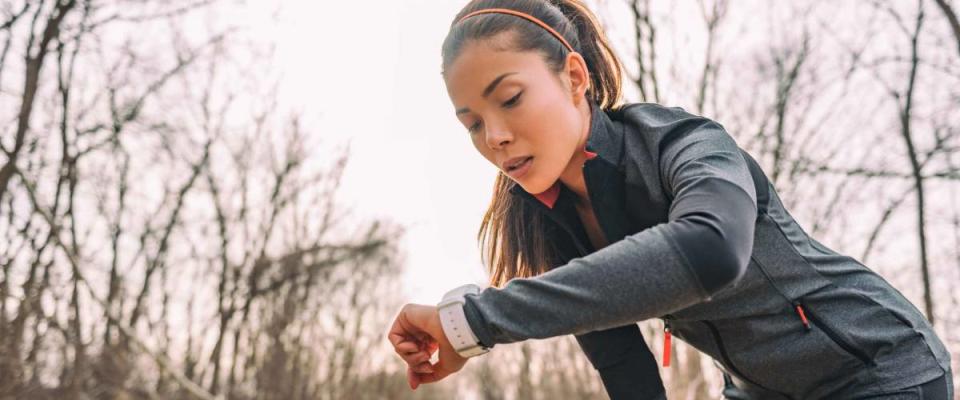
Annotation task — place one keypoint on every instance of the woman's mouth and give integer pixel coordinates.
(520, 169)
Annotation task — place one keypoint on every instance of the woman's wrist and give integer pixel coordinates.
(455, 325)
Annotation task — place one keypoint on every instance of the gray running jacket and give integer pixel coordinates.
(699, 238)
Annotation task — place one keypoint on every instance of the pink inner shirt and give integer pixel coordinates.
(549, 196)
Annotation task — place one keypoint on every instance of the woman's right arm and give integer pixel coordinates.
(626, 365)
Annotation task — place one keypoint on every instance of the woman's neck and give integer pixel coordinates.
(572, 176)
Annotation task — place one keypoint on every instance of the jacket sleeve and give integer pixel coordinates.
(703, 247)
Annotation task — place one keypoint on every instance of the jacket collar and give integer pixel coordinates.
(604, 141)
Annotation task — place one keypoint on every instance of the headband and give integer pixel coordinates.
(528, 17)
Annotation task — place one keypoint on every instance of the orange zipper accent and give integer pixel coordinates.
(803, 316)
(666, 345)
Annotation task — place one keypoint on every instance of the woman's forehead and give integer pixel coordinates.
(478, 65)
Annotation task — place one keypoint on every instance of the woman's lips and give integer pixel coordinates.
(521, 169)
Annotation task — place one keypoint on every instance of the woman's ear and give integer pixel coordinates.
(575, 69)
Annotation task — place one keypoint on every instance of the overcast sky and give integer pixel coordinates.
(375, 82)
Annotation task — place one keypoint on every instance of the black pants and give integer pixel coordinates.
(937, 389)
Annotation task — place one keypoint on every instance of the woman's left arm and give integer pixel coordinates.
(703, 247)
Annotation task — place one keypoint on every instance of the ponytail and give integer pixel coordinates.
(605, 69)
(515, 239)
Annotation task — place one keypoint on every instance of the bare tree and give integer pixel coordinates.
(951, 16)
(645, 39)
(164, 241)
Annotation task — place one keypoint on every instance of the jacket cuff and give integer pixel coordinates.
(477, 323)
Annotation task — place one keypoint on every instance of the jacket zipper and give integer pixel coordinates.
(797, 307)
(803, 311)
(839, 340)
(726, 358)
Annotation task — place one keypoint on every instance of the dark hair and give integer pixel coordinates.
(516, 240)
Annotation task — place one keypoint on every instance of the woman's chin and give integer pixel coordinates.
(534, 187)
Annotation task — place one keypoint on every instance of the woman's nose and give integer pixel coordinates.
(497, 137)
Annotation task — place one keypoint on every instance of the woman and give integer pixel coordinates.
(605, 215)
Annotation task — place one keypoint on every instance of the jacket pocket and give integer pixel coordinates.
(838, 338)
(777, 352)
(870, 321)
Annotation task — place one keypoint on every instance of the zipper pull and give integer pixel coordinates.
(803, 316)
(666, 343)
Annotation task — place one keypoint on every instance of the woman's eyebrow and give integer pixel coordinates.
(493, 85)
(489, 89)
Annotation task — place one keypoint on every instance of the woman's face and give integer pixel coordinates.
(513, 106)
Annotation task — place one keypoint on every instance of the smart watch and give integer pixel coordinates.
(454, 322)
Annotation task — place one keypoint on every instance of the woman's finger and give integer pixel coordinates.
(423, 368)
(408, 347)
(423, 337)
(415, 358)
(413, 353)
(439, 372)
(431, 376)
(412, 379)
(448, 363)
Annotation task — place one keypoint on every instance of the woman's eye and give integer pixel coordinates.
(473, 128)
(513, 100)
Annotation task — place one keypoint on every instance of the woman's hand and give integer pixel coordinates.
(416, 334)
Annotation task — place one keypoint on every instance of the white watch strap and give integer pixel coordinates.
(454, 322)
